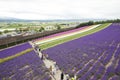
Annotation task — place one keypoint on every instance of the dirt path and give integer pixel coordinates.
(54, 70)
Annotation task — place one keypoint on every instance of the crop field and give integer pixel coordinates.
(93, 57)
(59, 40)
(90, 54)
(21, 67)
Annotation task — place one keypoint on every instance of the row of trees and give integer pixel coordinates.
(6, 31)
(97, 22)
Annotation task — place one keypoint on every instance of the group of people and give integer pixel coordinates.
(52, 70)
(38, 51)
(67, 77)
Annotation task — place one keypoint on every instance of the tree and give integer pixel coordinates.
(0, 32)
(90, 23)
(97, 22)
(58, 27)
(20, 25)
(20, 29)
(41, 29)
(85, 24)
(6, 31)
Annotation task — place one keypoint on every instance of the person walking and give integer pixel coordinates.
(75, 77)
(54, 71)
(72, 78)
(62, 76)
(39, 49)
(42, 57)
(67, 77)
(56, 66)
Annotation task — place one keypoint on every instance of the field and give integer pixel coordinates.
(17, 66)
(32, 25)
(90, 54)
(93, 57)
(66, 39)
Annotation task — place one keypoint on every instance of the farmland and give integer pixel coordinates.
(89, 53)
(21, 68)
(14, 29)
(65, 39)
(93, 57)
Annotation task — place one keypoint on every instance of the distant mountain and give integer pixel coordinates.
(11, 19)
(8, 19)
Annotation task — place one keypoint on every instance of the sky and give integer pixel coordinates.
(60, 9)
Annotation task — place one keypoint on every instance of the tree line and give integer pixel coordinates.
(97, 22)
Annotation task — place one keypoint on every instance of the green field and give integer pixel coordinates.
(66, 39)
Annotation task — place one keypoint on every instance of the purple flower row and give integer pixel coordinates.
(26, 67)
(13, 50)
(99, 47)
(62, 33)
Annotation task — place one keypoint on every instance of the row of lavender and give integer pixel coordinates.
(14, 50)
(92, 57)
(62, 33)
(26, 67)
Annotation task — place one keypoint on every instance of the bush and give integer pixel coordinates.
(0, 32)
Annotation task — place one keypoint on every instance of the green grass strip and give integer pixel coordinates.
(16, 55)
(69, 38)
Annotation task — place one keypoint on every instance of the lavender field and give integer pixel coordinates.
(93, 57)
(14, 50)
(26, 67)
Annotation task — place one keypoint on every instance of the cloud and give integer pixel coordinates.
(63, 9)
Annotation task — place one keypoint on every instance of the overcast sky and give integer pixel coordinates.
(60, 9)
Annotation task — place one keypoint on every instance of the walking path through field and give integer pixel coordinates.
(54, 70)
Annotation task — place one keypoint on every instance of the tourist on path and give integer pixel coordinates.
(51, 68)
(67, 77)
(62, 76)
(42, 57)
(72, 78)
